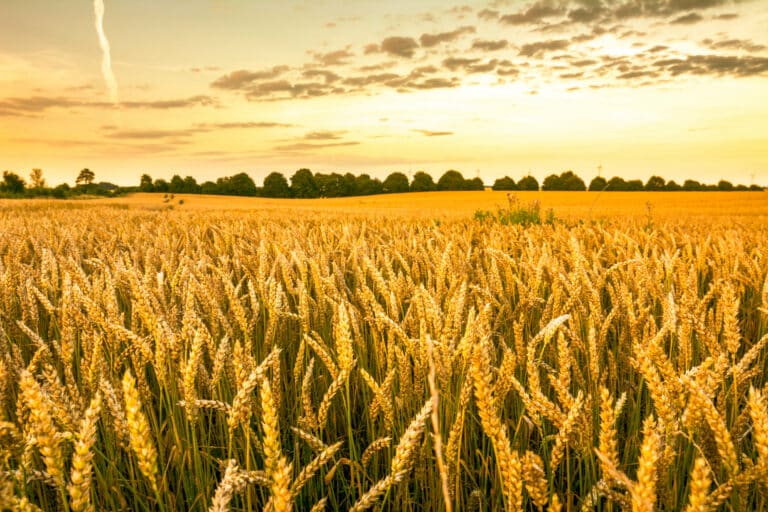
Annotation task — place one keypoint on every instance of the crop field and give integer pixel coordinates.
(384, 353)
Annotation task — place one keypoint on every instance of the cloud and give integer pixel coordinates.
(717, 65)
(470, 65)
(734, 44)
(541, 47)
(399, 46)
(242, 125)
(687, 19)
(152, 134)
(336, 58)
(537, 12)
(490, 46)
(328, 76)
(431, 133)
(241, 78)
(39, 104)
(430, 40)
(114, 132)
(488, 14)
(306, 146)
(325, 135)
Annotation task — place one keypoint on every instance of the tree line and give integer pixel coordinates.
(14, 185)
(568, 180)
(306, 184)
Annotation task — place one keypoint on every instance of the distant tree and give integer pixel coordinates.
(551, 182)
(725, 186)
(85, 177)
(505, 183)
(672, 186)
(36, 179)
(12, 183)
(350, 184)
(528, 183)
(191, 186)
(570, 181)
(474, 184)
(61, 191)
(655, 184)
(366, 186)
(692, 186)
(741, 188)
(209, 187)
(145, 184)
(422, 182)
(617, 184)
(598, 184)
(710, 187)
(756, 188)
(396, 182)
(634, 186)
(275, 185)
(241, 185)
(303, 184)
(161, 185)
(330, 185)
(177, 184)
(451, 180)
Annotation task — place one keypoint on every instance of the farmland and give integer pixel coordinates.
(384, 353)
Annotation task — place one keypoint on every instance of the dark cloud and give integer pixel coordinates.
(241, 78)
(490, 46)
(727, 16)
(192, 101)
(535, 13)
(488, 14)
(242, 125)
(152, 134)
(435, 83)
(687, 19)
(430, 40)
(734, 44)
(328, 76)
(364, 81)
(431, 133)
(399, 46)
(336, 58)
(371, 48)
(541, 47)
(717, 65)
(324, 135)
(454, 63)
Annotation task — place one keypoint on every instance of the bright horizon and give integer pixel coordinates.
(209, 88)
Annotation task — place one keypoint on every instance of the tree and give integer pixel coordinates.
(85, 177)
(12, 183)
(161, 185)
(209, 187)
(634, 186)
(331, 185)
(551, 182)
(366, 186)
(655, 184)
(672, 186)
(756, 188)
(617, 184)
(303, 184)
(350, 184)
(395, 183)
(145, 184)
(692, 186)
(725, 186)
(275, 185)
(237, 185)
(191, 186)
(177, 184)
(36, 178)
(528, 183)
(505, 183)
(451, 180)
(598, 184)
(474, 184)
(422, 182)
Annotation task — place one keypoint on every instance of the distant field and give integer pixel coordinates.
(588, 205)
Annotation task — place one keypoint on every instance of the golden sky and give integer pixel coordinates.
(209, 88)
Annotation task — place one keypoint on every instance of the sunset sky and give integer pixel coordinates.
(209, 88)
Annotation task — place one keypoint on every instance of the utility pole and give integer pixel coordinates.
(600, 170)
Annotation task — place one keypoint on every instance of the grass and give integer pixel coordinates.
(203, 359)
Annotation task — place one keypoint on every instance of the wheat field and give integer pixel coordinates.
(282, 359)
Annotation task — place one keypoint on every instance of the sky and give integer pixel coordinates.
(209, 88)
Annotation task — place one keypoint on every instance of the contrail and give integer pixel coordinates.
(106, 61)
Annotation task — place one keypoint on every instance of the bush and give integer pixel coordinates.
(517, 214)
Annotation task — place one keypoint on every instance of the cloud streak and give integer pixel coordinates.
(106, 57)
